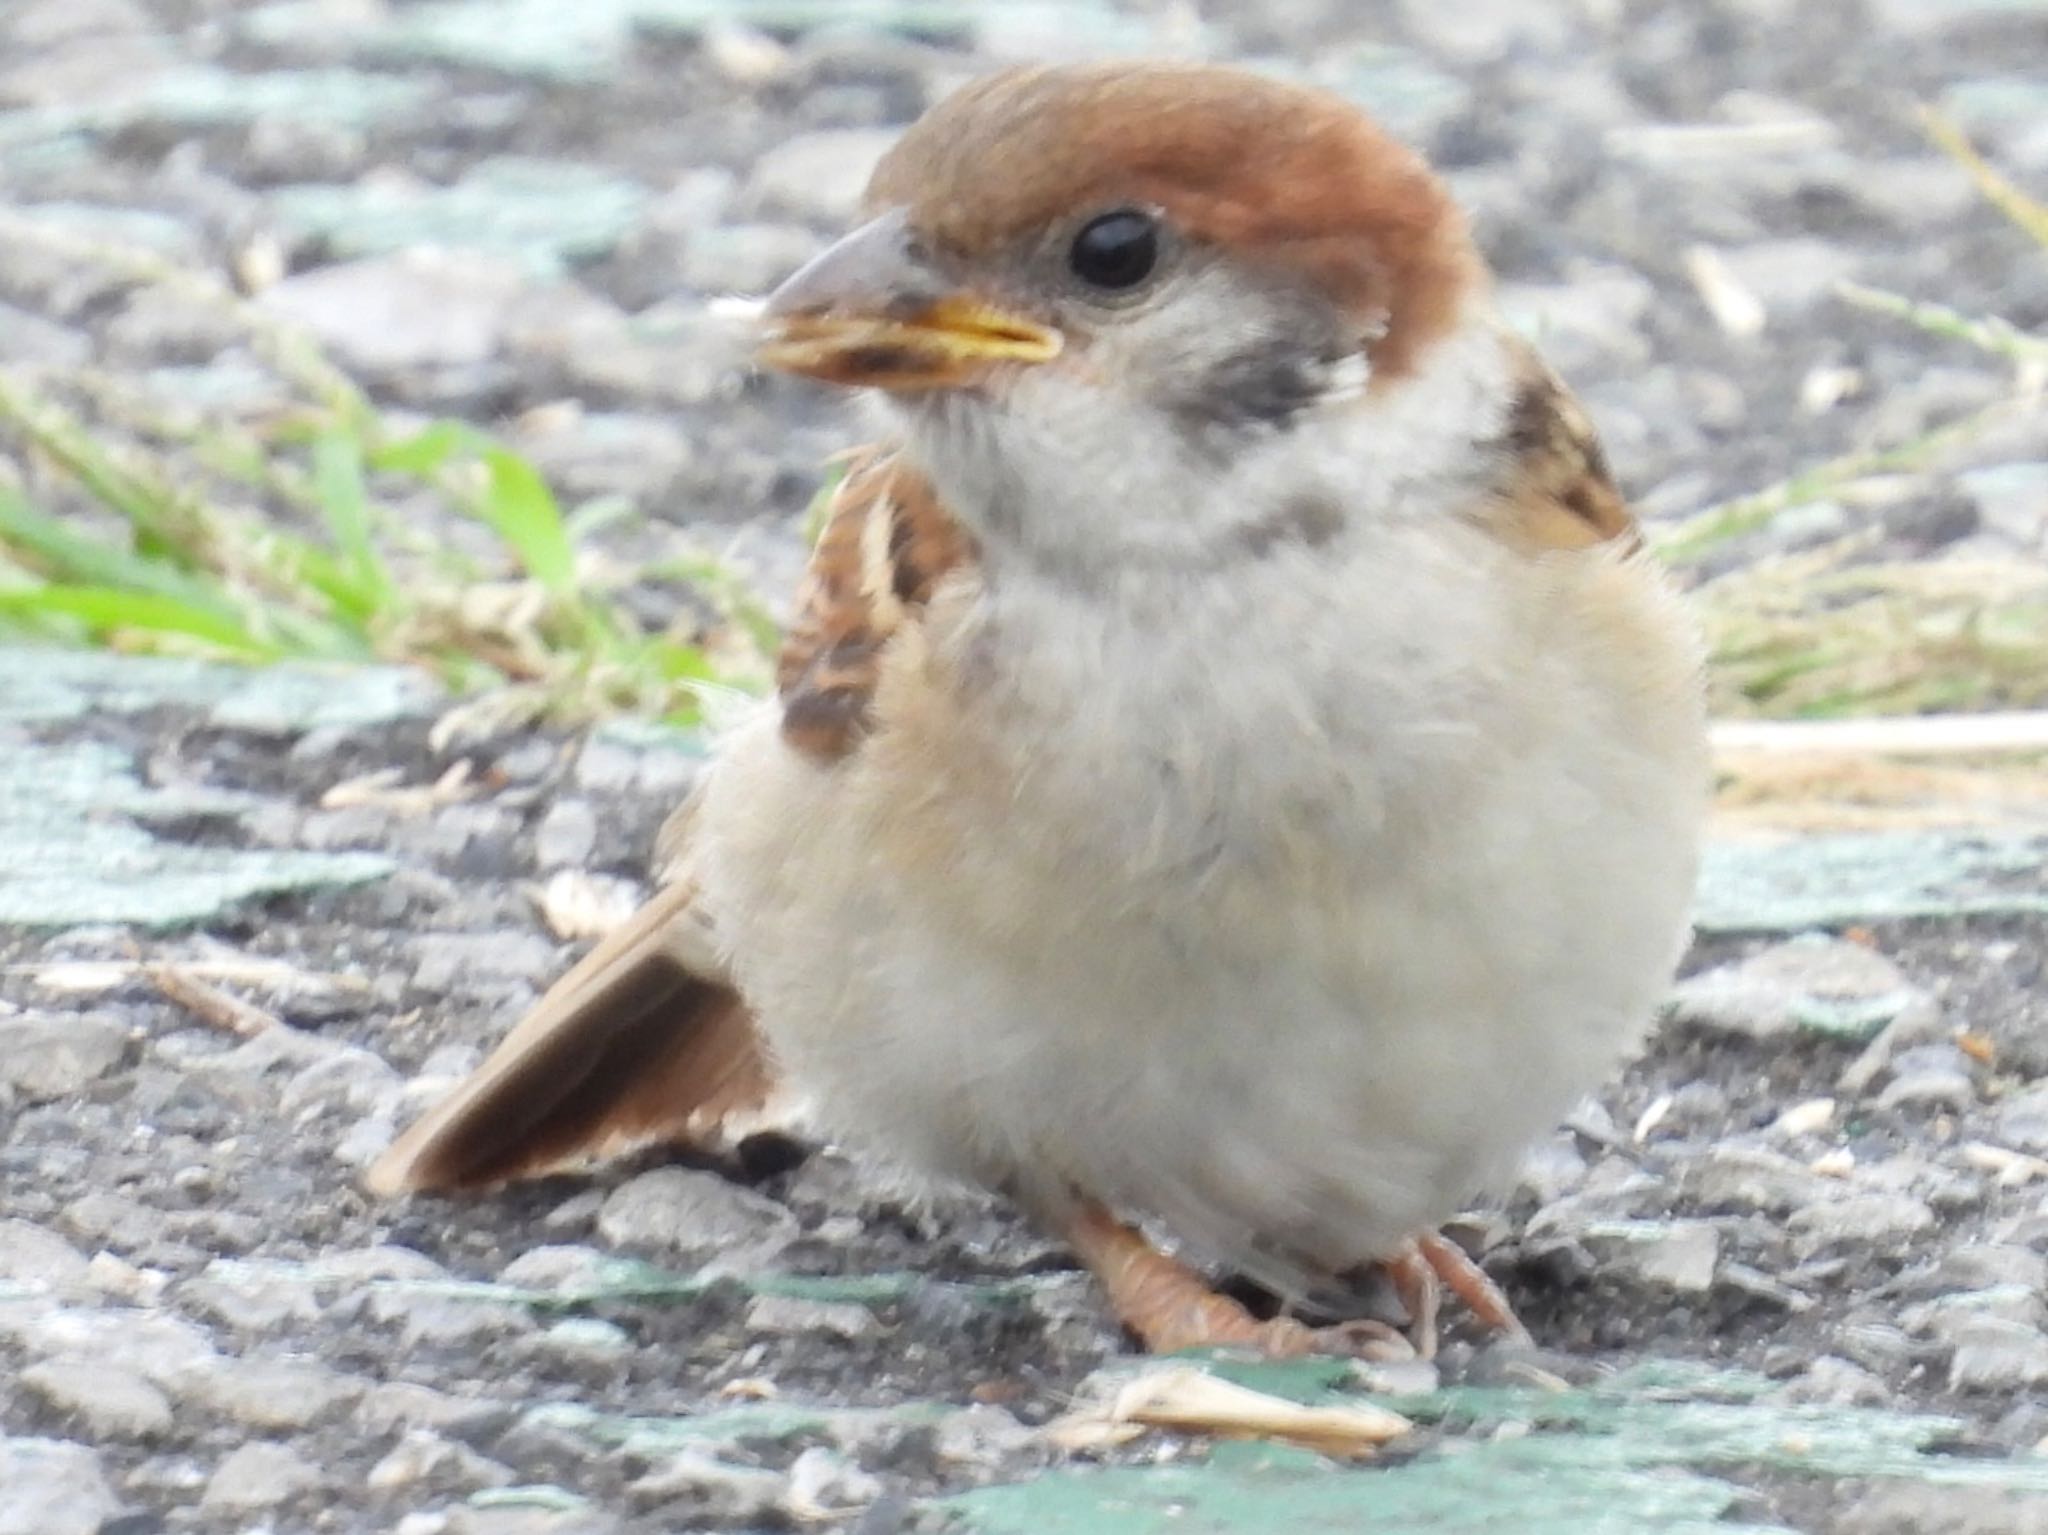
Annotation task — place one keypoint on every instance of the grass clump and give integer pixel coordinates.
(1836, 630)
(326, 530)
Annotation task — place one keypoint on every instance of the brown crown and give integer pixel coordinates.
(1272, 172)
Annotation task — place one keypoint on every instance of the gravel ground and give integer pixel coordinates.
(1827, 1172)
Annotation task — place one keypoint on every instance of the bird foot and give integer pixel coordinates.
(1432, 1263)
(1170, 1307)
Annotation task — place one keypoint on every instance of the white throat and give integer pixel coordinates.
(1074, 478)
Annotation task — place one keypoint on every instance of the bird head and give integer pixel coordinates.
(1166, 291)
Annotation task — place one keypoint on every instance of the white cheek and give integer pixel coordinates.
(1070, 472)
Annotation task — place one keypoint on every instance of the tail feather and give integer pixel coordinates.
(643, 1041)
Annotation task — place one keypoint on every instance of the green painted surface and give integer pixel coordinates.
(75, 846)
(541, 1495)
(76, 838)
(629, 1281)
(157, 232)
(544, 214)
(45, 686)
(1829, 881)
(1654, 1450)
(587, 40)
(203, 97)
(1856, 1021)
(1531, 1489)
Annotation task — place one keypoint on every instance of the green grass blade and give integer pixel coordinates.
(106, 609)
(65, 558)
(599, 514)
(426, 452)
(73, 558)
(680, 663)
(518, 504)
(338, 481)
(1990, 333)
(309, 572)
(151, 509)
(2029, 213)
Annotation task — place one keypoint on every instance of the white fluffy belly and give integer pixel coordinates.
(1291, 1076)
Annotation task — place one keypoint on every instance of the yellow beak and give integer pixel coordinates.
(872, 311)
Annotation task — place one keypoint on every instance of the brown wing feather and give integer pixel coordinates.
(643, 1041)
(886, 545)
(1558, 491)
(646, 1040)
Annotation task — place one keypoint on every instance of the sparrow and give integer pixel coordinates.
(1235, 774)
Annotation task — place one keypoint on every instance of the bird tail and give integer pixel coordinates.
(644, 1041)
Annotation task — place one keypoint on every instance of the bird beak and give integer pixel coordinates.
(872, 311)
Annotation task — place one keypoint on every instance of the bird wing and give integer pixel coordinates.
(886, 545)
(647, 1039)
(1557, 492)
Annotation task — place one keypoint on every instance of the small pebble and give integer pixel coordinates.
(1930, 1077)
(823, 1486)
(160, 1347)
(588, 1338)
(693, 1215)
(558, 1266)
(1672, 1255)
(2022, 1120)
(33, 1257)
(401, 1405)
(1808, 1118)
(104, 1400)
(1880, 1221)
(1749, 1178)
(1814, 984)
(268, 1395)
(45, 1056)
(816, 176)
(787, 1314)
(983, 1435)
(1834, 1382)
(257, 1476)
(567, 835)
(52, 1487)
(1999, 1356)
(708, 1490)
(422, 1456)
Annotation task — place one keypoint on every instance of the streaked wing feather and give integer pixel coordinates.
(887, 543)
(1558, 493)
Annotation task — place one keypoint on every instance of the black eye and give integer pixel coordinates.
(1117, 250)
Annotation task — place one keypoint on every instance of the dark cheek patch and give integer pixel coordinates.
(1269, 387)
(1270, 380)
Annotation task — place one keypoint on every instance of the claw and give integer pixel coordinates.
(1170, 1307)
(1432, 1263)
